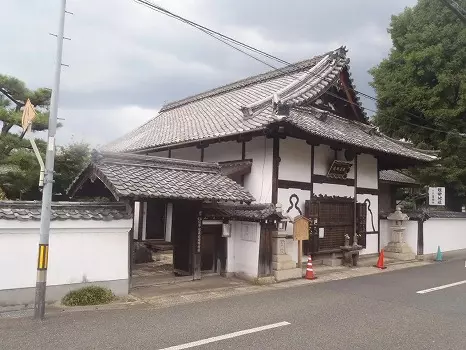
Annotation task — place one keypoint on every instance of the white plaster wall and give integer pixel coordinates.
(80, 251)
(374, 207)
(333, 190)
(187, 153)
(449, 234)
(284, 199)
(372, 246)
(410, 235)
(223, 151)
(163, 154)
(295, 164)
(243, 248)
(341, 156)
(259, 181)
(367, 171)
(324, 157)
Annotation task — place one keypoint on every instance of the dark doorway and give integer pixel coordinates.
(213, 249)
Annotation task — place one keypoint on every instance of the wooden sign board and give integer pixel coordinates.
(301, 228)
(339, 169)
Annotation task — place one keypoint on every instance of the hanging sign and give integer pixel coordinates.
(436, 195)
(339, 169)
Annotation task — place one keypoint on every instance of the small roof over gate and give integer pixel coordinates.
(241, 212)
(136, 176)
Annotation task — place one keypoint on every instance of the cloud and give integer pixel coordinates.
(127, 60)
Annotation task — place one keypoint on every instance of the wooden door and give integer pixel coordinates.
(265, 251)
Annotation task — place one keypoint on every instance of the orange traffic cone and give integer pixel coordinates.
(380, 263)
(309, 269)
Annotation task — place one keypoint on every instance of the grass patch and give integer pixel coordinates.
(92, 295)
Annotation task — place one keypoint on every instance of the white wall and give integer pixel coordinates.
(333, 190)
(367, 171)
(295, 164)
(324, 157)
(410, 235)
(449, 234)
(243, 248)
(372, 246)
(79, 251)
(259, 181)
(374, 207)
(187, 153)
(223, 151)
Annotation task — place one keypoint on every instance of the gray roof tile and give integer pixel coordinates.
(136, 176)
(26, 211)
(241, 212)
(396, 177)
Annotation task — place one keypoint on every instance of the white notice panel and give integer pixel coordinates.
(436, 195)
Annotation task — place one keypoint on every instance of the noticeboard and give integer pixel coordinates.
(300, 228)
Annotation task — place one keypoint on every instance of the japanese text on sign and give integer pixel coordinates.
(436, 195)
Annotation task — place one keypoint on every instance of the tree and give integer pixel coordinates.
(421, 88)
(69, 162)
(19, 168)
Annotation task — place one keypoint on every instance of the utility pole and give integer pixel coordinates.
(42, 261)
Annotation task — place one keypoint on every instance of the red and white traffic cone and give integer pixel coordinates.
(309, 270)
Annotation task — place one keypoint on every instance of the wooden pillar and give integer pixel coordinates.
(378, 205)
(420, 236)
(314, 238)
(243, 157)
(141, 221)
(275, 165)
(197, 248)
(355, 238)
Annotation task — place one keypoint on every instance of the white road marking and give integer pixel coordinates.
(440, 287)
(226, 336)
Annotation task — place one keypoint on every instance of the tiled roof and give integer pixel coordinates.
(332, 127)
(129, 175)
(396, 177)
(249, 106)
(218, 112)
(236, 167)
(24, 211)
(241, 212)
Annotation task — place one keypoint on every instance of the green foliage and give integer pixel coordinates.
(69, 162)
(19, 169)
(425, 74)
(92, 295)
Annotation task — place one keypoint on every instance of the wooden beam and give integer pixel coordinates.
(322, 179)
(306, 186)
(363, 190)
(243, 157)
(355, 217)
(275, 165)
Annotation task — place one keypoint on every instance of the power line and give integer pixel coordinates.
(224, 39)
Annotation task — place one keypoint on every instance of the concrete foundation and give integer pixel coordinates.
(26, 296)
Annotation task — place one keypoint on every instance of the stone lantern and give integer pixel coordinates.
(397, 248)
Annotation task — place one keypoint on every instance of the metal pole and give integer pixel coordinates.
(42, 261)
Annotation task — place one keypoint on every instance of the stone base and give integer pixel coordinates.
(281, 258)
(331, 262)
(399, 251)
(285, 275)
(284, 265)
(397, 247)
(400, 256)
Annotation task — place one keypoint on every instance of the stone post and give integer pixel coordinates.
(397, 248)
(284, 268)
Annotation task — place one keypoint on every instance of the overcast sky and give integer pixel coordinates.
(126, 60)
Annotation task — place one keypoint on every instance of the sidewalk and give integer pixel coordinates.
(216, 287)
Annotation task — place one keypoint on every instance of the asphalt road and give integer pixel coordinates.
(375, 312)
